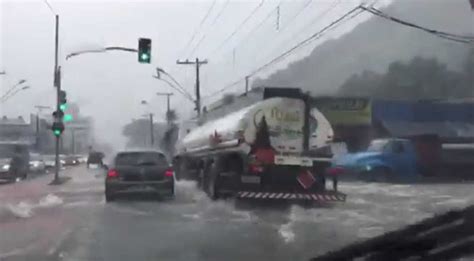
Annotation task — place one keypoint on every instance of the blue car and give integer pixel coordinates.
(385, 160)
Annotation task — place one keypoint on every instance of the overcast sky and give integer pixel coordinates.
(110, 86)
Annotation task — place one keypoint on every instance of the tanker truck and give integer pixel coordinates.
(273, 149)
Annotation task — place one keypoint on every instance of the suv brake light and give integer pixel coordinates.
(169, 173)
(112, 173)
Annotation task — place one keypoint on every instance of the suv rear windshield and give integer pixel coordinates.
(140, 158)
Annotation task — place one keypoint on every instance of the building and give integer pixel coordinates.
(17, 129)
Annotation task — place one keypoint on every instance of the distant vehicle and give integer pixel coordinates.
(50, 162)
(37, 164)
(81, 158)
(419, 158)
(14, 161)
(385, 160)
(143, 172)
(94, 160)
(70, 160)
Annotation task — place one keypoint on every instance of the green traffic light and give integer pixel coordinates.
(57, 132)
(145, 56)
(67, 117)
(63, 106)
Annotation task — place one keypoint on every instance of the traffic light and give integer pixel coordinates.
(144, 50)
(58, 114)
(67, 117)
(62, 101)
(58, 128)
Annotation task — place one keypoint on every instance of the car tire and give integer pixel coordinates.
(109, 197)
(213, 185)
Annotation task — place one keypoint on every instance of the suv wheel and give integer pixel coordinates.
(109, 198)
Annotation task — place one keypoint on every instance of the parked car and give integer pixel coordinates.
(37, 164)
(81, 158)
(143, 172)
(385, 160)
(50, 162)
(14, 161)
(70, 160)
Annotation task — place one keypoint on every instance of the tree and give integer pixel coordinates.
(420, 78)
(364, 84)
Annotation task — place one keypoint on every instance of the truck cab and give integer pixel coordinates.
(384, 160)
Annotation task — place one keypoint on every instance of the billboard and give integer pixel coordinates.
(345, 111)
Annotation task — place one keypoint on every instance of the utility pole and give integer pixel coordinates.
(73, 141)
(198, 63)
(246, 85)
(57, 84)
(152, 138)
(167, 94)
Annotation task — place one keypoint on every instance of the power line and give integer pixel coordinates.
(312, 22)
(314, 36)
(297, 14)
(220, 12)
(351, 14)
(445, 35)
(259, 25)
(196, 47)
(49, 6)
(200, 25)
(238, 27)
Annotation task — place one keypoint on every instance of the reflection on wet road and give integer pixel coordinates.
(73, 222)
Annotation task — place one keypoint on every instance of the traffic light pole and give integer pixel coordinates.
(57, 83)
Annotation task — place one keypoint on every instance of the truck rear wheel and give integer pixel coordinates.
(212, 184)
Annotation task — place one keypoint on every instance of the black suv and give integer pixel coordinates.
(142, 172)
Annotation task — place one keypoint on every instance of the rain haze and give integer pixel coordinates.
(110, 86)
(319, 130)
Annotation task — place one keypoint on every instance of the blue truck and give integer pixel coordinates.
(385, 160)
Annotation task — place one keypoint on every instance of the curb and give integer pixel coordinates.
(60, 181)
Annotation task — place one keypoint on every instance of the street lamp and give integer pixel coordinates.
(5, 98)
(182, 90)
